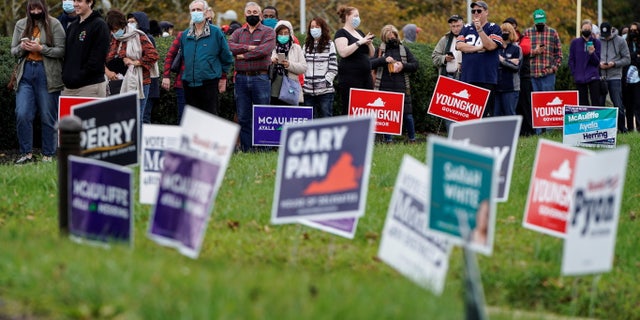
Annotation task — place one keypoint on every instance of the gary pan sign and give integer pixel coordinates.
(547, 107)
(457, 101)
(110, 129)
(386, 107)
(268, 122)
(323, 170)
(100, 201)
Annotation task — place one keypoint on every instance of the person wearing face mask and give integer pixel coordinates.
(322, 69)
(294, 63)
(613, 59)
(206, 58)
(131, 56)
(251, 46)
(393, 63)
(270, 16)
(546, 53)
(584, 61)
(39, 43)
(631, 78)
(139, 20)
(88, 41)
(508, 88)
(355, 48)
(68, 15)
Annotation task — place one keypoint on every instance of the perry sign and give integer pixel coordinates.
(551, 187)
(457, 101)
(386, 107)
(547, 107)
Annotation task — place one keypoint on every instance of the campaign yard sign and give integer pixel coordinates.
(100, 201)
(110, 129)
(463, 185)
(188, 186)
(547, 107)
(65, 103)
(457, 101)
(345, 227)
(156, 138)
(386, 107)
(405, 244)
(586, 126)
(595, 211)
(268, 121)
(550, 188)
(323, 169)
(498, 135)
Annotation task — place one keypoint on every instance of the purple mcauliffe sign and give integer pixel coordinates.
(184, 203)
(268, 122)
(100, 201)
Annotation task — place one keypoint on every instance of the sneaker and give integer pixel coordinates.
(24, 159)
(47, 159)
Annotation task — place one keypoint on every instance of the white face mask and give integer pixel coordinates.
(315, 32)
(132, 25)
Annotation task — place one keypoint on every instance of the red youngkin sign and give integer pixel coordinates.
(547, 107)
(458, 101)
(386, 107)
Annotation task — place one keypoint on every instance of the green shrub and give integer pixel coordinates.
(165, 112)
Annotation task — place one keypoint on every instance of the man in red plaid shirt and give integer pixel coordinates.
(546, 53)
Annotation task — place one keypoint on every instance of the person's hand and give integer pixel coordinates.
(397, 67)
(501, 58)
(448, 58)
(389, 60)
(111, 75)
(285, 63)
(31, 46)
(251, 48)
(166, 82)
(222, 85)
(591, 49)
(476, 23)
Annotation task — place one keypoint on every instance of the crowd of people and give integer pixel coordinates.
(83, 54)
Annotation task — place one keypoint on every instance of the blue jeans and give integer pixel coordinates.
(143, 105)
(506, 103)
(322, 104)
(546, 83)
(32, 97)
(615, 92)
(181, 102)
(408, 126)
(250, 90)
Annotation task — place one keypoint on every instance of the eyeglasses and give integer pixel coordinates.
(476, 11)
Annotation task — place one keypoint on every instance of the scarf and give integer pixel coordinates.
(133, 78)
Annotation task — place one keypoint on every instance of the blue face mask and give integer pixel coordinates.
(283, 39)
(67, 6)
(197, 16)
(315, 32)
(132, 25)
(355, 22)
(270, 22)
(118, 34)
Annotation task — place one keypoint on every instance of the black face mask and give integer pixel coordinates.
(540, 27)
(253, 20)
(393, 43)
(36, 16)
(505, 36)
(586, 33)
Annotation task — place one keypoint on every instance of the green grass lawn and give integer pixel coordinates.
(249, 269)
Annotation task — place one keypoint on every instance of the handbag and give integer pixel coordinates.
(176, 64)
(276, 85)
(632, 74)
(14, 77)
(290, 91)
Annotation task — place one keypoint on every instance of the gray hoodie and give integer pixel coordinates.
(614, 49)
